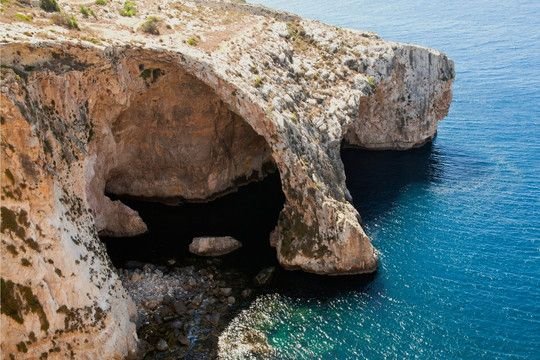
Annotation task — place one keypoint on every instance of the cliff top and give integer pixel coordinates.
(244, 42)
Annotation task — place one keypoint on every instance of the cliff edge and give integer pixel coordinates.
(185, 100)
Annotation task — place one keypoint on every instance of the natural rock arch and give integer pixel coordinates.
(174, 140)
(73, 129)
(68, 112)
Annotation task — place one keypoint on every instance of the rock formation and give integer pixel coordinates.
(183, 100)
(214, 246)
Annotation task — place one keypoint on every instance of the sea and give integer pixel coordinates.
(457, 222)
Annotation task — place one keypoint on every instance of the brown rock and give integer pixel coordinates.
(214, 246)
(225, 291)
(182, 339)
(151, 304)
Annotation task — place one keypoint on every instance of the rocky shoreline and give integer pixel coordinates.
(182, 309)
(218, 94)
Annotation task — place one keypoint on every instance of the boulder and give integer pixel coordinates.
(226, 291)
(162, 345)
(214, 246)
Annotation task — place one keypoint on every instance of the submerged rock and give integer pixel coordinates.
(264, 276)
(247, 344)
(214, 246)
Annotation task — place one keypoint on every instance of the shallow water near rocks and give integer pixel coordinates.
(457, 223)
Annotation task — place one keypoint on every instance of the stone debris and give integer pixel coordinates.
(176, 319)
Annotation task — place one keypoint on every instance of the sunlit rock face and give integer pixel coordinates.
(407, 103)
(106, 110)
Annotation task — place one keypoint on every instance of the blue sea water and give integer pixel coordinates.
(457, 223)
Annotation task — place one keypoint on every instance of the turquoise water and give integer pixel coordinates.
(457, 223)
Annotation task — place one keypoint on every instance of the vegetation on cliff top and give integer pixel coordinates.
(49, 5)
(129, 9)
(23, 17)
(66, 20)
(151, 25)
(87, 12)
(193, 41)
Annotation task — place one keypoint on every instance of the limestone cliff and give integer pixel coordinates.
(182, 100)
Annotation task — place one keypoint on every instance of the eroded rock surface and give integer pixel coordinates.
(222, 95)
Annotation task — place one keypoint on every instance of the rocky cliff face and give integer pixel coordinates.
(188, 105)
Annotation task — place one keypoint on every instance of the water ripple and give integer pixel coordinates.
(457, 223)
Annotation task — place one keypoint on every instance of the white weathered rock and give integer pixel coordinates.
(214, 246)
(111, 109)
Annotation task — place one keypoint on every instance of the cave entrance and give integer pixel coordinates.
(177, 142)
(249, 215)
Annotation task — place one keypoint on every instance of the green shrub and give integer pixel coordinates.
(257, 82)
(86, 12)
(65, 20)
(129, 9)
(151, 25)
(371, 82)
(49, 5)
(23, 17)
(193, 41)
(101, 2)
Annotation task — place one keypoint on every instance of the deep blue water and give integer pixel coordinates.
(457, 223)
